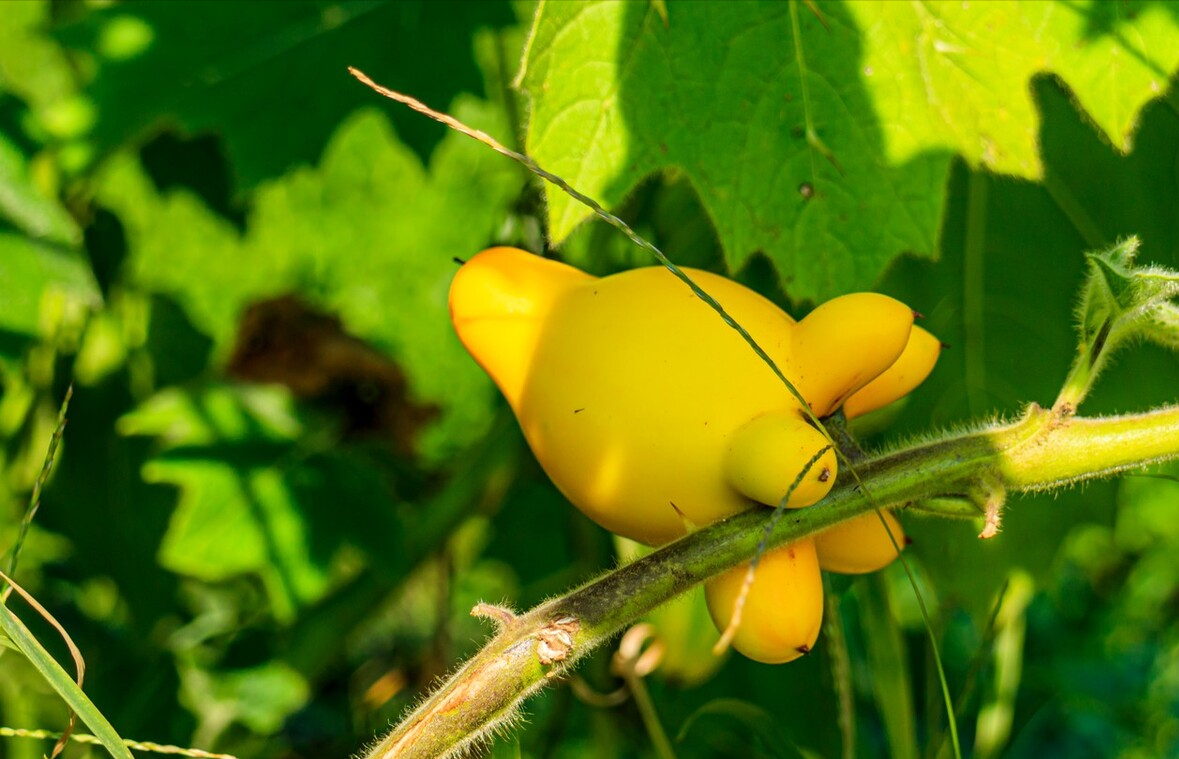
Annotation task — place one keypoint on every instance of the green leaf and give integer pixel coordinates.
(1122, 294)
(261, 697)
(370, 235)
(821, 139)
(238, 512)
(24, 206)
(204, 417)
(256, 500)
(955, 75)
(233, 519)
(41, 282)
(274, 84)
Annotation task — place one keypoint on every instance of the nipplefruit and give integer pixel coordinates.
(651, 414)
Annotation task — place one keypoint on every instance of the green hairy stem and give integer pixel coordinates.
(1044, 449)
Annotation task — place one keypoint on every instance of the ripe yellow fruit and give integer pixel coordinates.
(632, 392)
(846, 343)
(895, 382)
(651, 414)
(860, 545)
(783, 609)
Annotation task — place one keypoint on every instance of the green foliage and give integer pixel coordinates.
(277, 570)
(267, 76)
(820, 137)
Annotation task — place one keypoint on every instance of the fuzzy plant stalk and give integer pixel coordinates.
(1042, 450)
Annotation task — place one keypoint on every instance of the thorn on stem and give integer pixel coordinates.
(502, 616)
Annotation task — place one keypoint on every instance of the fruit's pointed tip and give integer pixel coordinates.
(803, 649)
(499, 302)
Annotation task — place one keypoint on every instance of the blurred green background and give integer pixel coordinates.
(283, 484)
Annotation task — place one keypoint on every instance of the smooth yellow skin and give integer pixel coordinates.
(905, 374)
(774, 444)
(783, 609)
(651, 415)
(846, 343)
(859, 545)
(499, 303)
(630, 389)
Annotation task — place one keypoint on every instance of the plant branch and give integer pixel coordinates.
(1042, 450)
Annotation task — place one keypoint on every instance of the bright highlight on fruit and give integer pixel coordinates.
(648, 412)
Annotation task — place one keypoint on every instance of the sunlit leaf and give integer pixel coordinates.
(822, 138)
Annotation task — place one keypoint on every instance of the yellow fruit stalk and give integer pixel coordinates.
(648, 412)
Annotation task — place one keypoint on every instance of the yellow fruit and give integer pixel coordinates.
(499, 302)
(650, 413)
(763, 451)
(898, 380)
(859, 545)
(783, 609)
(845, 343)
(631, 391)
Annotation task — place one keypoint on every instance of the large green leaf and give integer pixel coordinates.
(271, 78)
(258, 497)
(821, 134)
(955, 75)
(369, 235)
